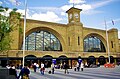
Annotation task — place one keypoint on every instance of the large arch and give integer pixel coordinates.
(98, 37)
(30, 59)
(52, 31)
(101, 60)
(91, 60)
(47, 60)
(62, 59)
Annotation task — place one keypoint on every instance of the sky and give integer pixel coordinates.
(94, 12)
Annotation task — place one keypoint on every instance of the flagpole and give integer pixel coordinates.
(73, 3)
(24, 33)
(107, 41)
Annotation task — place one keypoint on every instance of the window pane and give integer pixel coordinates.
(93, 44)
(43, 41)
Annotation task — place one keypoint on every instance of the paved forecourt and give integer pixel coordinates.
(88, 73)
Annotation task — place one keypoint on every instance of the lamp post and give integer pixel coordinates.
(107, 41)
(24, 33)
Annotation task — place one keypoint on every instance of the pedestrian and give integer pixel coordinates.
(37, 65)
(42, 69)
(78, 66)
(82, 66)
(34, 67)
(52, 68)
(24, 73)
(8, 66)
(66, 68)
(12, 71)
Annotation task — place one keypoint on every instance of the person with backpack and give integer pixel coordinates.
(24, 73)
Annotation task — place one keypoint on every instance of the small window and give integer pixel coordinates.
(78, 40)
(69, 41)
(112, 44)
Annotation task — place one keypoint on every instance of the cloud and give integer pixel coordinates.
(45, 8)
(82, 6)
(66, 7)
(77, 1)
(91, 12)
(6, 13)
(101, 3)
(1, 3)
(88, 9)
(15, 2)
(22, 11)
(47, 16)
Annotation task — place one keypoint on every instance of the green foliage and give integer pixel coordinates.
(5, 29)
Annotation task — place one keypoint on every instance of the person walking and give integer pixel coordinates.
(12, 71)
(52, 68)
(34, 67)
(42, 69)
(37, 65)
(66, 68)
(78, 66)
(82, 66)
(24, 73)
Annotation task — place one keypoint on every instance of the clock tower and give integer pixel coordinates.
(74, 15)
(74, 30)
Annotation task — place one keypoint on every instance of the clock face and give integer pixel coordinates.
(76, 15)
(70, 16)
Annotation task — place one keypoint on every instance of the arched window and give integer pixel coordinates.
(93, 44)
(43, 41)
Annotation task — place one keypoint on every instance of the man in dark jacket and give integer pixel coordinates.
(24, 72)
(66, 68)
(12, 71)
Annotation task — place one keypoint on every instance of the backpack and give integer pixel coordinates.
(24, 73)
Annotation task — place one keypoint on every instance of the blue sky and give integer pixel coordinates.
(93, 14)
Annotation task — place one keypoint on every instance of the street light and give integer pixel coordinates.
(24, 32)
(107, 41)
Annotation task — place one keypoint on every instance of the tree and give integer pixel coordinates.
(5, 29)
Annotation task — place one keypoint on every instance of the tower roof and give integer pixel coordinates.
(73, 8)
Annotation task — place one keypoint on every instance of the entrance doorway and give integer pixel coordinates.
(30, 59)
(47, 60)
(91, 60)
(101, 60)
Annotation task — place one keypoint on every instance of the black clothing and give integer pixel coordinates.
(24, 72)
(13, 72)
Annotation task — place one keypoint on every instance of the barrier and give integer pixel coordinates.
(109, 65)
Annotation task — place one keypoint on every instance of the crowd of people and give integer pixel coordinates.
(25, 71)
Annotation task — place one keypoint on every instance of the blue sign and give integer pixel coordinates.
(79, 60)
(54, 61)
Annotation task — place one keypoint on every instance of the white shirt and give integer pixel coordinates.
(82, 65)
(42, 65)
(37, 65)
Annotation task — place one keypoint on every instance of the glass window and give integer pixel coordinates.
(43, 41)
(93, 44)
